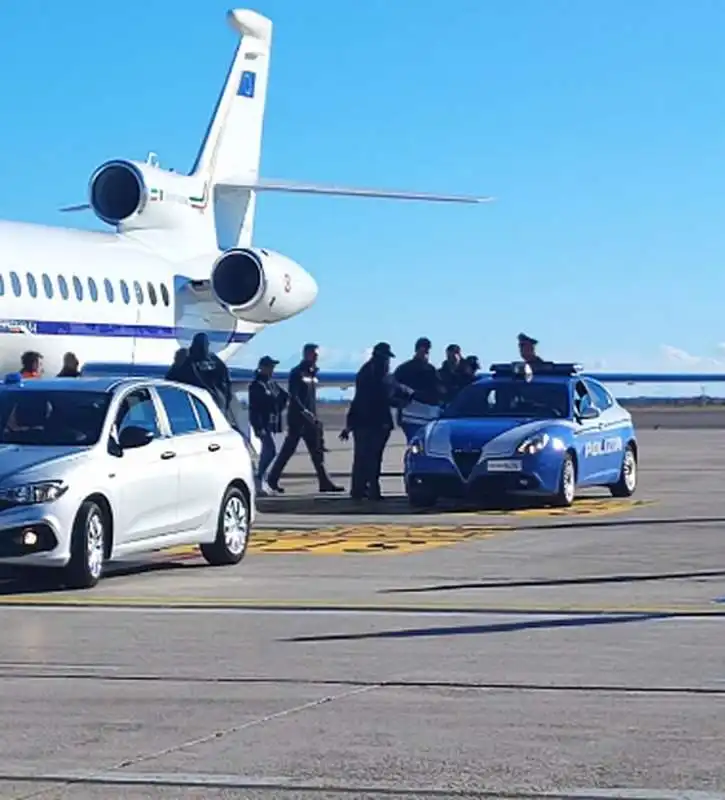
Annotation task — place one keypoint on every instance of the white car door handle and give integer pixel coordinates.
(213, 447)
(168, 454)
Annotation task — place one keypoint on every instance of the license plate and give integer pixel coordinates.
(504, 466)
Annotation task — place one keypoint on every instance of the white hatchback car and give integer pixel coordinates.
(97, 469)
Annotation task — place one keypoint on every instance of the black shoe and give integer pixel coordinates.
(330, 488)
(275, 487)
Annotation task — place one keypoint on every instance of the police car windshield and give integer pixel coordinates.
(52, 418)
(511, 398)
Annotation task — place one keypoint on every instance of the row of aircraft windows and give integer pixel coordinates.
(63, 291)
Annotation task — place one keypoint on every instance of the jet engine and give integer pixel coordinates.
(261, 286)
(138, 195)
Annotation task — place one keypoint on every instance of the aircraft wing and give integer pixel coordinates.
(657, 377)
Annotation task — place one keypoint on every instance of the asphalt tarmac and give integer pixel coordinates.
(386, 654)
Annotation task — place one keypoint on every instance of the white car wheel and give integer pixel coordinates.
(88, 547)
(233, 526)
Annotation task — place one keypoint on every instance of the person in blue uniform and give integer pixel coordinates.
(370, 421)
(303, 423)
(206, 370)
(468, 371)
(527, 349)
(422, 377)
(267, 401)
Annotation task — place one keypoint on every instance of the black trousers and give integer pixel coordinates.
(367, 461)
(312, 437)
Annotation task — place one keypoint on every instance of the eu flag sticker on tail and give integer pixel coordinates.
(246, 84)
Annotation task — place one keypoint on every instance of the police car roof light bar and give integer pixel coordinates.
(516, 368)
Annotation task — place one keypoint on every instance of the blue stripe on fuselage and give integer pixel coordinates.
(106, 329)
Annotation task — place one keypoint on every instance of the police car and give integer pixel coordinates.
(541, 429)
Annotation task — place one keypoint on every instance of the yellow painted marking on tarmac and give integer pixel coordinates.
(84, 600)
(369, 539)
(587, 506)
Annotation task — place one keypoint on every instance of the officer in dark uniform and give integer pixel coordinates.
(371, 422)
(450, 374)
(302, 423)
(267, 401)
(527, 349)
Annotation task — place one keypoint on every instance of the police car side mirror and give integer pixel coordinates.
(588, 413)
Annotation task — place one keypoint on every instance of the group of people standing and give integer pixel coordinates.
(414, 393)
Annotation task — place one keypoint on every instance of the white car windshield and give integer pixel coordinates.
(52, 417)
(511, 399)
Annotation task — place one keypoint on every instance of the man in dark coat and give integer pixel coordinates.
(302, 423)
(450, 373)
(206, 370)
(370, 420)
(422, 377)
(267, 401)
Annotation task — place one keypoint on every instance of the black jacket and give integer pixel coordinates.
(302, 395)
(207, 371)
(422, 377)
(267, 401)
(374, 396)
(452, 379)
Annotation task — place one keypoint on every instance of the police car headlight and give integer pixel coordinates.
(416, 448)
(32, 493)
(533, 444)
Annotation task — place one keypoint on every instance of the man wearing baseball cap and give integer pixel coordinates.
(267, 401)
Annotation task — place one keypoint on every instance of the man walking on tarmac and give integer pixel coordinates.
(302, 423)
(371, 422)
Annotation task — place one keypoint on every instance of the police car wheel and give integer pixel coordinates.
(567, 483)
(627, 483)
(232, 538)
(418, 498)
(88, 547)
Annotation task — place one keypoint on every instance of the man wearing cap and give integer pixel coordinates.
(467, 370)
(302, 423)
(527, 349)
(267, 401)
(419, 375)
(450, 374)
(370, 420)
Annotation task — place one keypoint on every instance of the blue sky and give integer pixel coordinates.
(600, 128)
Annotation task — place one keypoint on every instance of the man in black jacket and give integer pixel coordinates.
(267, 401)
(422, 377)
(450, 373)
(527, 349)
(206, 370)
(302, 423)
(371, 422)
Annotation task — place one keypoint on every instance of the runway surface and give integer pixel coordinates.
(389, 654)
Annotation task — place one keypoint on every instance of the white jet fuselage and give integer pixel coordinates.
(104, 297)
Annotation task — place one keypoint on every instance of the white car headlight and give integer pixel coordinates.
(30, 493)
(533, 444)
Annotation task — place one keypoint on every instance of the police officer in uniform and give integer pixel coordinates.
(302, 423)
(371, 422)
(527, 349)
(467, 370)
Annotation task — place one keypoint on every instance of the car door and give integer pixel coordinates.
(147, 478)
(612, 424)
(587, 434)
(199, 495)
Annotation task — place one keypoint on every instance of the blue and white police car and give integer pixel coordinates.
(542, 429)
